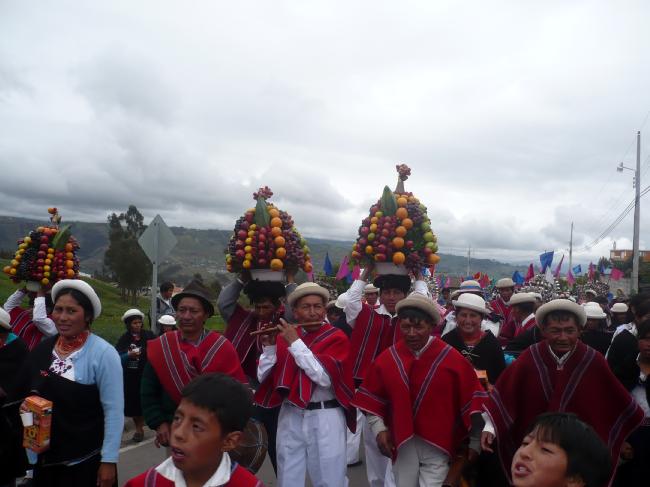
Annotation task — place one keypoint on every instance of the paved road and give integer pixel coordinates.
(136, 458)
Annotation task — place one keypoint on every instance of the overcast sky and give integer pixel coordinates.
(511, 115)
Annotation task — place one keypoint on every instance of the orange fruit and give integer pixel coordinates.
(276, 221)
(6, 269)
(69, 273)
(373, 228)
(402, 213)
(246, 264)
(281, 253)
(401, 201)
(276, 231)
(407, 223)
(69, 264)
(369, 249)
(12, 271)
(45, 281)
(399, 258)
(68, 247)
(398, 242)
(433, 259)
(400, 231)
(69, 255)
(276, 265)
(374, 219)
(273, 212)
(308, 267)
(279, 241)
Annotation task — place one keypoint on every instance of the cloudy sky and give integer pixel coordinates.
(511, 115)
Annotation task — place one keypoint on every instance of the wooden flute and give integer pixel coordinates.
(273, 329)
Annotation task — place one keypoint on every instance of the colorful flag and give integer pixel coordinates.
(530, 274)
(592, 273)
(570, 279)
(447, 282)
(518, 278)
(577, 269)
(344, 268)
(601, 268)
(549, 275)
(558, 269)
(616, 274)
(484, 281)
(546, 259)
(356, 272)
(477, 276)
(310, 276)
(327, 266)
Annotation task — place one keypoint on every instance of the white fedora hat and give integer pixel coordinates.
(470, 286)
(167, 320)
(520, 298)
(306, 289)
(473, 302)
(504, 283)
(619, 308)
(561, 305)
(594, 311)
(370, 288)
(84, 288)
(424, 304)
(132, 312)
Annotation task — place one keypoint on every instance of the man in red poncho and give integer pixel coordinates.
(177, 357)
(562, 374)
(34, 323)
(423, 398)
(506, 288)
(303, 372)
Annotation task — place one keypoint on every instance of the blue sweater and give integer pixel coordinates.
(99, 363)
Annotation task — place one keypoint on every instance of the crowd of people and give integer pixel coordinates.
(449, 388)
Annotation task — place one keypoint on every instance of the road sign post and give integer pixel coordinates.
(156, 241)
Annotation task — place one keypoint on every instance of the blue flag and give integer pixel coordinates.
(577, 269)
(546, 259)
(327, 266)
(601, 268)
(518, 278)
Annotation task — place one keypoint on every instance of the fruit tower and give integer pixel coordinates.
(397, 230)
(266, 238)
(45, 256)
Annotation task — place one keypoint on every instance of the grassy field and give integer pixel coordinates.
(108, 325)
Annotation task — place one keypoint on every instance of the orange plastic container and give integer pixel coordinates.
(37, 436)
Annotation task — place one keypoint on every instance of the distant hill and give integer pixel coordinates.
(202, 251)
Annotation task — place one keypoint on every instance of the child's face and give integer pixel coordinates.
(197, 440)
(539, 463)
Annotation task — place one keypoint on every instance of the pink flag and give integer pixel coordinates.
(310, 276)
(591, 274)
(484, 281)
(530, 274)
(447, 282)
(356, 272)
(558, 269)
(570, 279)
(344, 268)
(616, 274)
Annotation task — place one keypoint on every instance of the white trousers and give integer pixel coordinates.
(354, 441)
(311, 442)
(378, 467)
(420, 464)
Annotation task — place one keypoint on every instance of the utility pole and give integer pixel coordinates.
(571, 250)
(469, 252)
(637, 216)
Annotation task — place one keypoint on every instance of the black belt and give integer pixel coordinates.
(332, 403)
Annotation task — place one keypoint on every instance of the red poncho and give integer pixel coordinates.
(23, 326)
(372, 334)
(331, 347)
(432, 396)
(240, 325)
(177, 362)
(585, 386)
(239, 477)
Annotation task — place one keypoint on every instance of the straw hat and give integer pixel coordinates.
(473, 302)
(561, 305)
(84, 288)
(422, 303)
(470, 286)
(370, 289)
(307, 289)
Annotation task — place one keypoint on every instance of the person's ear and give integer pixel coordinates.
(231, 440)
(575, 481)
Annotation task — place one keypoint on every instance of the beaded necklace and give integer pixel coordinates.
(65, 347)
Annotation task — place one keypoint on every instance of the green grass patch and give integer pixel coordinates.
(109, 325)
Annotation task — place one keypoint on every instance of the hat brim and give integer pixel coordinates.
(84, 288)
(184, 294)
(478, 309)
(422, 304)
(561, 305)
(298, 294)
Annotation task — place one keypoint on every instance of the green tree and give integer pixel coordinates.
(127, 262)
